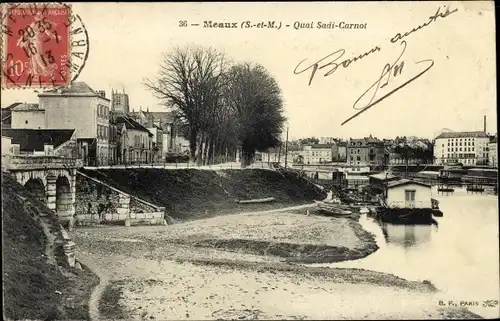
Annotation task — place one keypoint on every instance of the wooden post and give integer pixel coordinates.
(286, 147)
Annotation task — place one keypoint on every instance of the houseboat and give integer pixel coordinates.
(408, 201)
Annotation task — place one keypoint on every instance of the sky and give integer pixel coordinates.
(127, 41)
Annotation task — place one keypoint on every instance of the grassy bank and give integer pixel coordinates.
(192, 194)
(35, 288)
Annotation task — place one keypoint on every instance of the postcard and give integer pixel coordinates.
(254, 160)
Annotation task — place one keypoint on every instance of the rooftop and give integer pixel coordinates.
(27, 107)
(383, 176)
(79, 89)
(405, 182)
(35, 139)
(130, 123)
(463, 135)
(322, 146)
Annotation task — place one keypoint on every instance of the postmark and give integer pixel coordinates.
(43, 45)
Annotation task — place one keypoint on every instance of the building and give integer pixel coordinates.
(492, 153)
(157, 143)
(327, 140)
(7, 114)
(48, 142)
(24, 115)
(169, 124)
(366, 151)
(120, 102)
(7, 145)
(81, 108)
(340, 152)
(467, 148)
(135, 142)
(406, 193)
(317, 153)
(114, 139)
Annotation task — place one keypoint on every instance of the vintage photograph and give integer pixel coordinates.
(249, 161)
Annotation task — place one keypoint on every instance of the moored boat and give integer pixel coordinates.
(333, 208)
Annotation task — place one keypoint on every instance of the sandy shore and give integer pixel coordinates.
(173, 272)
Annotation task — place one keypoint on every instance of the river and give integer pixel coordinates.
(459, 255)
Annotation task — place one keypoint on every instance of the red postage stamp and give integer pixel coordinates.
(36, 45)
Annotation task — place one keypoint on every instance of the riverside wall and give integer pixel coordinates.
(98, 203)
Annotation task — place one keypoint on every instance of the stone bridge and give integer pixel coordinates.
(51, 179)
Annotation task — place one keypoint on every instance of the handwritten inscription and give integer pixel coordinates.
(389, 72)
(432, 19)
(333, 63)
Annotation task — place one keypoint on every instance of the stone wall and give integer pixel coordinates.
(140, 206)
(97, 202)
(94, 201)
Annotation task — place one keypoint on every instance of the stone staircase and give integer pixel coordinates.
(119, 206)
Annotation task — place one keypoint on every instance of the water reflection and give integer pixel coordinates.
(461, 258)
(408, 235)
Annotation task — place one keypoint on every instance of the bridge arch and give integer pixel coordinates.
(64, 202)
(36, 188)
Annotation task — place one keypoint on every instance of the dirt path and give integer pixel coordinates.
(99, 289)
(86, 259)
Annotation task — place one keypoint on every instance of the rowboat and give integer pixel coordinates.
(333, 208)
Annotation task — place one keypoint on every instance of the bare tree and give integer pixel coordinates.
(188, 82)
(255, 99)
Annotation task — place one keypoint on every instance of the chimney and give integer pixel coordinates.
(101, 93)
(484, 123)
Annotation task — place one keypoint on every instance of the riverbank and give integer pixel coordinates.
(35, 282)
(236, 267)
(192, 194)
(151, 289)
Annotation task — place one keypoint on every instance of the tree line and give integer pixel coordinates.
(223, 106)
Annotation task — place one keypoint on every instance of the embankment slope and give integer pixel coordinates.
(34, 286)
(191, 193)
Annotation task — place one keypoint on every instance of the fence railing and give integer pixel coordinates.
(107, 163)
(34, 162)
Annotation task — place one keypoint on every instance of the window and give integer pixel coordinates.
(410, 195)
